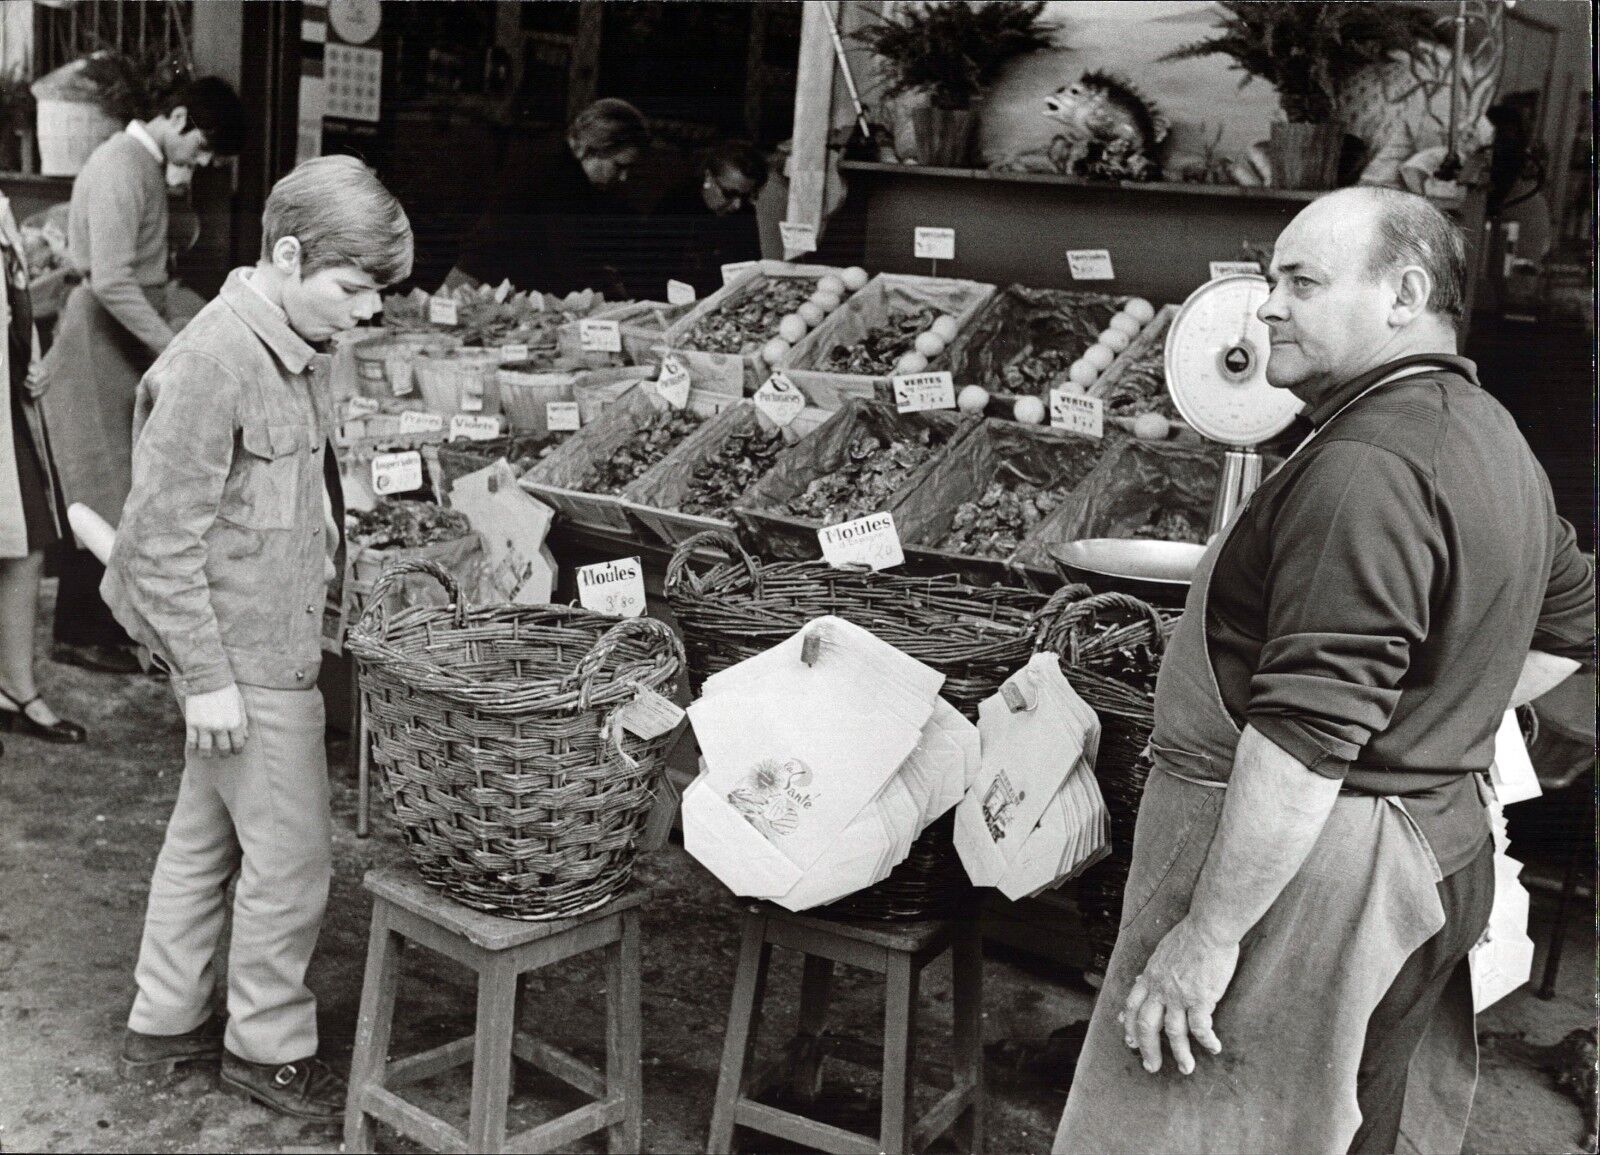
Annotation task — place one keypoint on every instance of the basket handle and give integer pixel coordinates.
(1067, 607)
(1058, 613)
(721, 539)
(647, 629)
(393, 573)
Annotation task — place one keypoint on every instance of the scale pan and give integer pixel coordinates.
(1159, 570)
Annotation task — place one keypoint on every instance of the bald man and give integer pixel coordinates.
(1313, 862)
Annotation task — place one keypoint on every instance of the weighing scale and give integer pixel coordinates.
(1216, 370)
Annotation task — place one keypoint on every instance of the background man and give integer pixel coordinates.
(220, 568)
(1312, 862)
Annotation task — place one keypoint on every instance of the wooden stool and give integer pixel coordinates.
(500, 950)
(899, 952)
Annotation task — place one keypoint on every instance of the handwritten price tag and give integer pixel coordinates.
(360, 407)
(396, 472)
(600, 336)
(933, 244)
(871, 541)
(1077, 413)
(733, 271)
(919, 391)
(613, 588)
(1231, 268)
(779, 401)
(416, 421)
(474, 427)
(680, 293)
(673, 384)
(513, 353)
(442, 311)
(561, 416)
(650, 715)
(1090, 265)
(798, 238)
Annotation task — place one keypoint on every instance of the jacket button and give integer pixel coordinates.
(299, 675)
(311, 609)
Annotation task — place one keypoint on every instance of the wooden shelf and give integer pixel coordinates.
(1158, 188)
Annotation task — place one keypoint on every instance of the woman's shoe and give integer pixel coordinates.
(14, 718)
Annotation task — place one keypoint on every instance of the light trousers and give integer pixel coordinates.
(264, 814)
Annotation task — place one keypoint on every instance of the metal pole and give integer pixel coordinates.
(844, 67)
(1450, 167)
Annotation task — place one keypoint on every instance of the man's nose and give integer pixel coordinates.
(1271, 309)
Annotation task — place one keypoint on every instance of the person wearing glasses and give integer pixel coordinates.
(113, 326)
(553, 223)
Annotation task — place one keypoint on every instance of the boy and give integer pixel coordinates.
(219, 567)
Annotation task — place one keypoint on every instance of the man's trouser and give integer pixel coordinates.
(263, 813)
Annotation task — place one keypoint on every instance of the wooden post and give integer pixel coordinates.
(813, 117)
(583, 72)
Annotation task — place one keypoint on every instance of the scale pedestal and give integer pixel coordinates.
(1241, 475)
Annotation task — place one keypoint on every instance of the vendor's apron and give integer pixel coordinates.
(1310, 973)
(89, 379)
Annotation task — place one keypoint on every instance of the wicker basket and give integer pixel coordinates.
(69, 132)
(459, 381)
(498, 736)
(525, 391)
(1110, 645)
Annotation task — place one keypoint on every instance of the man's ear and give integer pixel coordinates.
(179, 119)
(1412, 292)
(286, 256)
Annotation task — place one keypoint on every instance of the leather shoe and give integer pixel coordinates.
(161, 1054)
(304, 1089)
(14, 717)
(100, 659)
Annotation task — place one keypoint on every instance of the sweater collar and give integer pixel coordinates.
(1338, 398)
(141, 134)
(266, 321)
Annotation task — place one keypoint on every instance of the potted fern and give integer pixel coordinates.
(1309, 52)
(942, 57)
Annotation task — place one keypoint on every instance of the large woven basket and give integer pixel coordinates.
(498, 736)
(977, 637)
(1110, 646)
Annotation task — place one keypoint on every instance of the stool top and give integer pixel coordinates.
(910, 937)
(404, 887)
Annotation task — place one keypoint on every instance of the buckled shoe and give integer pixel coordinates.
(304, 1089)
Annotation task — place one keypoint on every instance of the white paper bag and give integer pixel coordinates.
(518, 566)
(1503, 960)
(1512, 770)
(719, 838)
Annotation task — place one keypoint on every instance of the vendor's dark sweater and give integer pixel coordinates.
(1371, 610)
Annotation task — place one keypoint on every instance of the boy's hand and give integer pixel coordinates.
(216, 722)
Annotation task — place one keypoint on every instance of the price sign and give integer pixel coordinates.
(442, 311)
(396, 472)
(933, 244)
(613, 588)
(673, 384)
(919, 391)
(360, 407)
(1090, 264)
(680, 293)
(599, 336)
(1230, 268)
(561, 416)
(513, 352)
(871, 541)
(502, 291)
(779, 401)
(1077, 413)
(732, 272)
(416, 421)
(474, 427)
(798, 237)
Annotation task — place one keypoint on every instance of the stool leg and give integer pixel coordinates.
(370, 1059)
(816, 986)
(491, 1054)
(363, 779)
(624, 1027)
(966, 962)
(899, 1043)
(744, 1021)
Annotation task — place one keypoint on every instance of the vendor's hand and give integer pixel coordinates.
(216, 722)
(1176, 994)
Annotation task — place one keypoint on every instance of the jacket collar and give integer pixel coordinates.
(267, 322)
(140, 133)
(1350, 390)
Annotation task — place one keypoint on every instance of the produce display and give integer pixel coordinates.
(1014, 503)
(521, 452)
(522, 318)
(875, 466)
(892, 347)
(406, 524)
(1117, 335)
(653, 441)
(748, 323)
(1054, 342)
(722, 478)
(1140, 386)
(1170, 525)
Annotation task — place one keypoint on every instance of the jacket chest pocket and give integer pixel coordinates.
(268, 490)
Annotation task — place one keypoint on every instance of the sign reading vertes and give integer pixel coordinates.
(1077, 413)
(614, 588)
(871, 541)
(919, 391)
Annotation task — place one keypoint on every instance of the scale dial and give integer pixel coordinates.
(1216, 364)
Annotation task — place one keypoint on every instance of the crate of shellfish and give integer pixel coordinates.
(641, 329)
(864, 459)
(986, 496)
(741, 332)
(584, 477)
(1133, 388)
(898, 324)
(694, 487)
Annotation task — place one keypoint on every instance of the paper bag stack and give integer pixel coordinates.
(1035, 816)
(1503, 960)
(822, 760)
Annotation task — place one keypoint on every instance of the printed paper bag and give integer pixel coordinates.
(1034, 734)
(519, 567)
(1073, 835)
(719, 838)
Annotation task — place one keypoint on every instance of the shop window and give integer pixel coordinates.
(143, 29)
